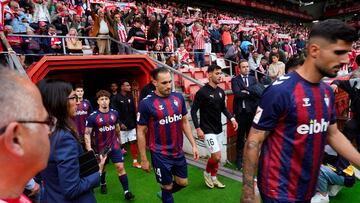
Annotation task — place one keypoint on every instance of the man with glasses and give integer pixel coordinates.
(24, 127)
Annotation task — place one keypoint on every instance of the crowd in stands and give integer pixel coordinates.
(169, 32)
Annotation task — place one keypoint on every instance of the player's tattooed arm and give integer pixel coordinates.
(87, 137)
(250, 162)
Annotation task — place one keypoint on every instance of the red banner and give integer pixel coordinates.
(97, 1)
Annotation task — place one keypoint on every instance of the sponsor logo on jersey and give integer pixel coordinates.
(107, 128)
(170, 119)
(313, 127)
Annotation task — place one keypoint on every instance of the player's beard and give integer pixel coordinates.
(326, 72)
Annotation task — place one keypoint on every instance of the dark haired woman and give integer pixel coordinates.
(61, 177)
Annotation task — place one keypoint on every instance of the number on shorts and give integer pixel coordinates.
(210, 142)
(158, 172)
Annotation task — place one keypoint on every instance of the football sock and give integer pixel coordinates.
(215, 169)
(210, 165)
(134, 150)
(176, 187)
(166, 196)
(124, 182)
(102, 178)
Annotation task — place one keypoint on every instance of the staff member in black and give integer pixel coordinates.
(247, 92)
(210, 99)
(352, 87)
(125, 106)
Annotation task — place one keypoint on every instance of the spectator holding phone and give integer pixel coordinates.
(62, 180)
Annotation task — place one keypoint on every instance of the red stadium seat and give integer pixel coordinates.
(222, 85)
(198, 73)
(186, 85)
(193, 89)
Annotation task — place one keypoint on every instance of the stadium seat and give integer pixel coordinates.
(222, 85)
(198, 73)
(187, 72)
(186, 85)
(193, 89)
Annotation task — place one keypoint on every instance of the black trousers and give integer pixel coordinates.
(244, 121)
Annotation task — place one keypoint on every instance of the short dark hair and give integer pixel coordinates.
(122, 81)
(333, 30)
(155, 73)
(52, 26)
(242, 61)
(213, 67)
(79, 85)
(293, 62)
(102, 93)
(277, 55)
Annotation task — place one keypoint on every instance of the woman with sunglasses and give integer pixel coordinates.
(61, 178)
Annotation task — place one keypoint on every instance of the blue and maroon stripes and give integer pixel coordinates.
(83, 110)
(292, 153)
(161, 114)
(104, 125)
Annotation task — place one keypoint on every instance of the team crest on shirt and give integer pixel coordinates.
(176, 103)
(306, 102)
(161, 107)
(220, 94)
(326, 99)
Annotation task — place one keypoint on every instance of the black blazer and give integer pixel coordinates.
(252, 99)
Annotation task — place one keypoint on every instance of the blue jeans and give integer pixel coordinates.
(199, 57)
(328, 177)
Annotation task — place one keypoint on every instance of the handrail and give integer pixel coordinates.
(13, 60)
(57, 36)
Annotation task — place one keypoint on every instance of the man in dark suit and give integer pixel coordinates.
(247, 92)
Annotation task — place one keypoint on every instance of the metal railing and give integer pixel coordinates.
(11, 57)
(129, 50)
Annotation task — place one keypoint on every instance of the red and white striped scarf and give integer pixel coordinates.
(54, 39)
(122, 32)
(150, 10)
(170, 42)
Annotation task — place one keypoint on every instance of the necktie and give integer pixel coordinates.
(245, 79)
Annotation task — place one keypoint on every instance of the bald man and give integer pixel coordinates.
(24, 126)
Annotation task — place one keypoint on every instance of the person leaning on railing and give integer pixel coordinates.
(73, 44)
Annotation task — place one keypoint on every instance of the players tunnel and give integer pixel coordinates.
(94, 72)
